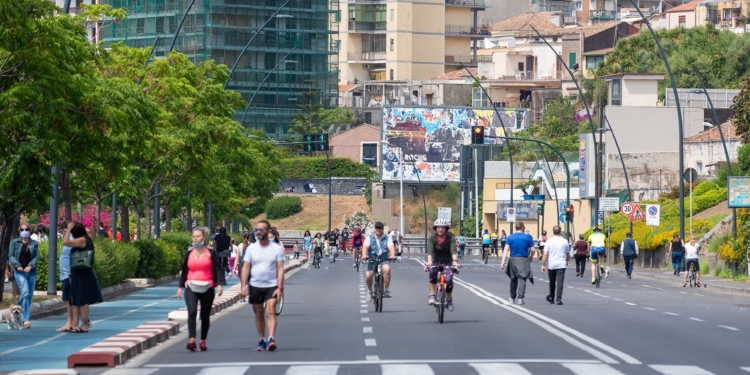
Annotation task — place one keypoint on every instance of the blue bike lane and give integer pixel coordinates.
(41, 347)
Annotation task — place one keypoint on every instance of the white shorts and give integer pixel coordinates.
(333, 249)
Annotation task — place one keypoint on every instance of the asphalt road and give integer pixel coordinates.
(638, 326)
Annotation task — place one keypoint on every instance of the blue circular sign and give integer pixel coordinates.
(652, 210)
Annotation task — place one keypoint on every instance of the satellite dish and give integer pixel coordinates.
(331, 129)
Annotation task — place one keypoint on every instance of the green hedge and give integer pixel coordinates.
(284, 206)
(114, 262)
(316, 167)
(704, 187)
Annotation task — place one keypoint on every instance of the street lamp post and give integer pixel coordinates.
(283, 60)
(679, 119)
(597, 161)
(179, 26)
(401, 184)
(723, 142)
(627, 181)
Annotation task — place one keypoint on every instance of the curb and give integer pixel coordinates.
(56, 306)
(709, 285)
(119, 348)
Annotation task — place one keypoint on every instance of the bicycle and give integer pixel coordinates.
(441, 293)
(316, 259)
(358, 257)
(485, 255)
(599, 270)
(378, 285)
(691, 275)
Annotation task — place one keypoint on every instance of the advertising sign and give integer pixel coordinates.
(609, 204)
(524, 210)
(653, 214)
(444, 214)
(586, 168)
(738, 191)
(430, 139)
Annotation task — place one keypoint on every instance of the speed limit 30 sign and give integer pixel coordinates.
(626, 209)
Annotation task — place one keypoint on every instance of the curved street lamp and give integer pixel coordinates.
(283, 60)
(624, 170)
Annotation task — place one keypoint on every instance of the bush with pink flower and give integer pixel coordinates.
(89, 217)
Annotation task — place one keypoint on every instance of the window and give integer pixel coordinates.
(393, 15)
(367, 13)
(478, 99)
(159, 25)
(368, 117)
(699, 167)
(571, 59)
(393, 42)
(373, 43)
(370, 154)
(592, 62)
(520, 67)
(391, 71)
(616, 92)
(140, 26)
(579, 5)
(681, 21)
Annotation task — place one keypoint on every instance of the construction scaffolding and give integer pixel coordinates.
(219, 29)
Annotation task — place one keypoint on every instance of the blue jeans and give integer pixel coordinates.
(676, 261)
(26, 283)
(629, 264)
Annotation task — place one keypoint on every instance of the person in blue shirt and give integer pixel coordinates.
(519, 246)
(461, 245)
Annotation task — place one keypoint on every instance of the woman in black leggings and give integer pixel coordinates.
(581, 254)
(202, 271)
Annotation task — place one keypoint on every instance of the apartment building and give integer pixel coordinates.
(399, 40)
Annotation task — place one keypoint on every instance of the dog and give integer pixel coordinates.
(15, 317)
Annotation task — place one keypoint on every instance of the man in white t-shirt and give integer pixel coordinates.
(555, 259)
(264, 263)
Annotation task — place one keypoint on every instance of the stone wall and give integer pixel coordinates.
(339, 185)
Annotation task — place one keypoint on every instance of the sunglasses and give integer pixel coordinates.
(378, 227)
(260, 230)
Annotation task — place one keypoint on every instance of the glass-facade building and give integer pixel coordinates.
(220, 29)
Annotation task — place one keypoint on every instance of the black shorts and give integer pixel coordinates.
(66, 290)
(259, 296)
(696, 266)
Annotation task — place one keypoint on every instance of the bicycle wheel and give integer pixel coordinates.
(280, 304)
(691, 278)
(357, 264)
(485, 256)
(598, 276)
(441, 304)
(381, 292)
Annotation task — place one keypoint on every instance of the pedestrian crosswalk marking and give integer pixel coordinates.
(229, 370)
(590, 369)
(680, 370)
(313, 370)
(499, 369)
(745, 369)
(407, 370)
(131, 371)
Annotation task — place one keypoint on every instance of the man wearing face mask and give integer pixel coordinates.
(24, 253)
(264, 262)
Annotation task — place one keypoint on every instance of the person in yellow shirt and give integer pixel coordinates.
(598, 249)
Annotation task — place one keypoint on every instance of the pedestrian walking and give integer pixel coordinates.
(581, 249)
(318, 243)
(555, 260)
(629, 251)
(84, 286)
(232, 257)
(23, 256)
(676, 252)
(503, 239)
(541, 243)
(202, 279)
(344, 239)
(241, 249)
(307, 243)
(461, 245)
(63, 264)
(519, 247)
(223, 247)
(494, 239)
(264, 262)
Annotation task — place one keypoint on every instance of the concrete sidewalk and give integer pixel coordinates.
(41, 347)
(707, 281)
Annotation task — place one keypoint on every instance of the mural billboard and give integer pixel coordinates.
(430, 140)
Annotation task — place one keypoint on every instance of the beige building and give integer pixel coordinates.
(359, 143)
(396, 41)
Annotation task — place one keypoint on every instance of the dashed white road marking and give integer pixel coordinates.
(680, 370)
(630, 303)
(313, 370)
(365, 319)
(366, 329)
(499, 369)
(730, 328)
(697, 320)
(372, 358)
(229, 370)
(406, 370)
(591, 369)
(649, 308)
(370, 342)
(363, 311)
(671, 313)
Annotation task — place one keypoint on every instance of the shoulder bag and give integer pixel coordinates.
(82, 259)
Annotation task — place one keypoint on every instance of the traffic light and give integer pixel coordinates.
(477, 135)
(308, 139)
(569, 213)
(322, 144)
(540, 208)
(315, 142)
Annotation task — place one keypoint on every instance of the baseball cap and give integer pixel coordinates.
(378, 224)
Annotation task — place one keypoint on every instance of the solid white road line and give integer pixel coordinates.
(697, 320)
(730, 328)
(499, 369)
(590, 346)
(406, 370)
(366, 362)
(230, 370)
(680, 370)
(312, 370)
(370, 342)
(586, 369)
(131, 371)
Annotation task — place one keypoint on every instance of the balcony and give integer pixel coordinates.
(467, 31)
(366, 56)
(552, 75)
(367, 27)
(473, 4)
(467, 60)
(601, 14)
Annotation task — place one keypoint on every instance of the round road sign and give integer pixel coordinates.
(690, 175)
(653, 211)
(626, 209)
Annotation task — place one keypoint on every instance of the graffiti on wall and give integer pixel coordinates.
(430, 140)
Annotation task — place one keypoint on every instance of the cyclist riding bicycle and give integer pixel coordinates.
(441, 253)
(357, 240)
(597, 241)
(378, 246)
(486, 240)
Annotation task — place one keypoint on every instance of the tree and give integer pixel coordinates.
(741, 107)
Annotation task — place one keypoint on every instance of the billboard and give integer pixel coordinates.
(738, 192)
(587, 166)
(430, 139)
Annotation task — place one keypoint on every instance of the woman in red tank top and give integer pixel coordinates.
(201, 275)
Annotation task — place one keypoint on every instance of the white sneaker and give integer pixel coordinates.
(520, 302)
(511, 300)
(369, 296)
(431, 300)
(6, 280)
